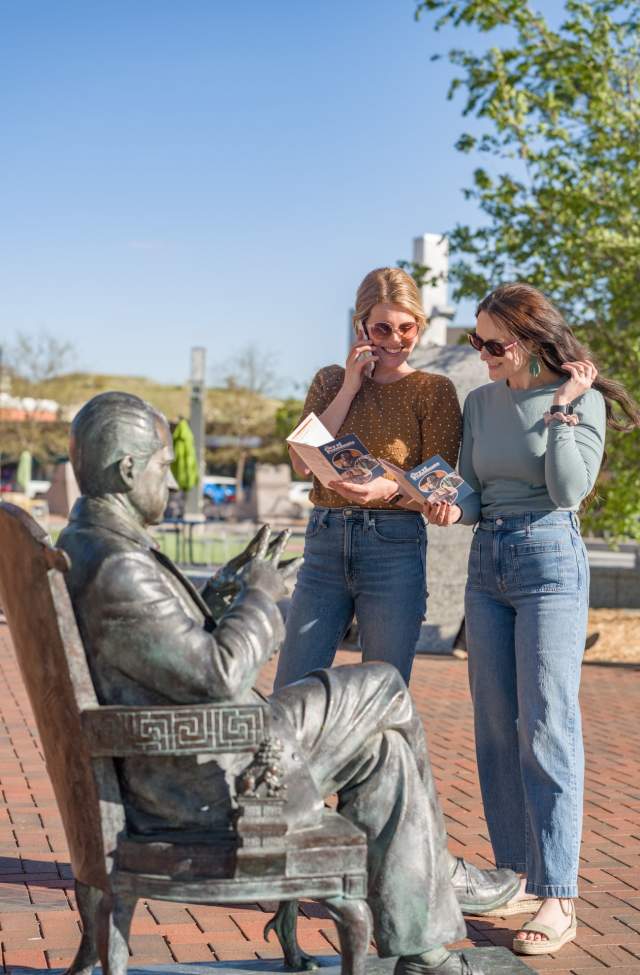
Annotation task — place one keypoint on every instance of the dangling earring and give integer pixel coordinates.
(534, 366)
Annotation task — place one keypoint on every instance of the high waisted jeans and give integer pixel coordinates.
(362, 560)
(526, 617)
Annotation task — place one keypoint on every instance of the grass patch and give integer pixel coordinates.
(211, 549)
(205, 548)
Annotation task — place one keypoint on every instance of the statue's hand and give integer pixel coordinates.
(266, 570)
(226, 579)
(266, 577)
(224, 586)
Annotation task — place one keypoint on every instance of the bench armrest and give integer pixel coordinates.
(189, 729)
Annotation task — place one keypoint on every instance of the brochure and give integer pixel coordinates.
(351, 460)
(346, 458)
(432, 480)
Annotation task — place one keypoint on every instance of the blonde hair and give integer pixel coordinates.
(388, 285)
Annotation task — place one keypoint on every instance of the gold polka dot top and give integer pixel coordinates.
(403, 422)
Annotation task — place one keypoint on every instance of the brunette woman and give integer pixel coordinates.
(533, 443)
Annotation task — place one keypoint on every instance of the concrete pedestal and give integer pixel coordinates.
(491, 961)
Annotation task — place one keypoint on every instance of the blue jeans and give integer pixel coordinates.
(526, 616)
(362, 560)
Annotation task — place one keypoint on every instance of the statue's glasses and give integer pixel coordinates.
(382, 331)
(492, 346)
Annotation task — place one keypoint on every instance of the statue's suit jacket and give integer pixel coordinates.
(151, 639)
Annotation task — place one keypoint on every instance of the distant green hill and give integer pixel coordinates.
(75, 388)
(234, 412)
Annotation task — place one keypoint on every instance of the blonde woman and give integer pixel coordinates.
(363, 552)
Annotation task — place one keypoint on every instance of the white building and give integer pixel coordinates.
(438, 350)
(448, 548)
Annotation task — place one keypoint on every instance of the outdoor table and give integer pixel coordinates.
(183, 528)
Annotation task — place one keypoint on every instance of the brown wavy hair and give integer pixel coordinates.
(528, 315)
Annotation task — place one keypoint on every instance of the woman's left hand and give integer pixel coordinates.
(442, 513)
(379, 489)
(582, 376)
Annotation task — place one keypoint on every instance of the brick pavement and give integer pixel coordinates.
(39, 923)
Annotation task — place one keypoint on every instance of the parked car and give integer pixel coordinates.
(221, 490)
(218, 492)
(299, 495)
(35, 489)
(38, 488)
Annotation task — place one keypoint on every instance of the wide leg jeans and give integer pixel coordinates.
(371, 562)
(526, 617)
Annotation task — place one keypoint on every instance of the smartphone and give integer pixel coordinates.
(363, 336)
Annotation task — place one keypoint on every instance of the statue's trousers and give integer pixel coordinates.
(360, 736)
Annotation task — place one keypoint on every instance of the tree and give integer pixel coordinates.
(25, 366)
(248, 412)
(287, 416)
(37, 358)
(558, 110)
(184, 468)
(47, 442)
(252, 369)
(286, 419)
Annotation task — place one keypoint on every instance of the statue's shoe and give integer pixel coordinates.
(456, 964)
(479, 890)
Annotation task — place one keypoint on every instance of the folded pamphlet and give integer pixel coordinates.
(349, 459)
(432, 480)
(346, 458)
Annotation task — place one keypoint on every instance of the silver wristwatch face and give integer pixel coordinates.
(565, 408)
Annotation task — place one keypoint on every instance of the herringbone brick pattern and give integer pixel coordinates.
(39, 924)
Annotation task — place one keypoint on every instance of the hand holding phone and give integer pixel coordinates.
(360, 362)
(367, 354)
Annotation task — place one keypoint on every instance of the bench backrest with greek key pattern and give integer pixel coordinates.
(79, 736)
(181, 730)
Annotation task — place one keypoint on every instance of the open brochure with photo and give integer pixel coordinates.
(432, 480)
(351, 460)
(329, 459)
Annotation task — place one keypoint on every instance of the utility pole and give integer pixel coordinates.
(197, 384)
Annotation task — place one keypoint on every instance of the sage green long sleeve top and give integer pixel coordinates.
(515, 463)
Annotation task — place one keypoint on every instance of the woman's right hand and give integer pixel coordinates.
(442, 513)
(356, 364)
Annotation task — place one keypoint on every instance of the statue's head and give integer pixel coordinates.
(120, 445)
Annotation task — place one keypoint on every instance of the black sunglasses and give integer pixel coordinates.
(492, 346)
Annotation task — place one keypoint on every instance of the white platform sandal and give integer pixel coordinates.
(526, 905)
(554, 940)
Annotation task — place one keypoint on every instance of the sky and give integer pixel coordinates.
(216, 173)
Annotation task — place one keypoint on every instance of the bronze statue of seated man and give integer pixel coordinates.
(152, 639)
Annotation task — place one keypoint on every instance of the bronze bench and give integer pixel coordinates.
(254, 859)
